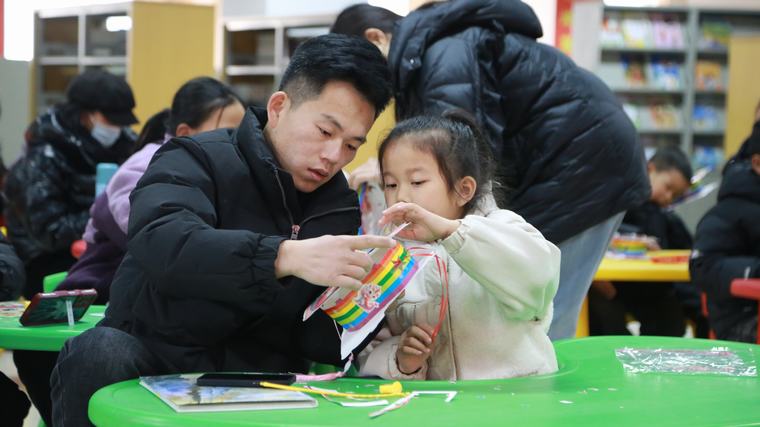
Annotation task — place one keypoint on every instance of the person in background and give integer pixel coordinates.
(502, 274)
(655, 305)
(233, 233)
(200, 105)
(567, 156)
(12, 279)
(727, 244)
(50, 189)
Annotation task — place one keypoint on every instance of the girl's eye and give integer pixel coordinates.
(324, 132)
(418, 183)
(389, 186)
(351, 147)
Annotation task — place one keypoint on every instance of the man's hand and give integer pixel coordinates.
(368, 171)
(415, 348)
(329, 260)
(424, 226)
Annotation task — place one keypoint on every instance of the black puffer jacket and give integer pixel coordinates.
(12, 274)
(50, 188)
(197, 284)
(562, 142)
(727, 247)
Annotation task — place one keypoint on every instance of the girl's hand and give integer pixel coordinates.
(415, 348)
(424, 226)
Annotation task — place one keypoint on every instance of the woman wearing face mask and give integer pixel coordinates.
(51, 187)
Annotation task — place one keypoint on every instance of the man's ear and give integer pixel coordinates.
(756, 163)
(465, 190)
(277, 103)
(378, 38)
(183, 129)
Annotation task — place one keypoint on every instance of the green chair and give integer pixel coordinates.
(50, 282)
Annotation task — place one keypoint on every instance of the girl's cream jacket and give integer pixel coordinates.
(503, 276)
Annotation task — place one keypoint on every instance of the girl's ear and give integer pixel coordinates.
(465, 190)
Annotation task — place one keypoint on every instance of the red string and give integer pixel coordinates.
(444, 275)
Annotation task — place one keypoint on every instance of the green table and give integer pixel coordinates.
(13, 336)
(591, 389)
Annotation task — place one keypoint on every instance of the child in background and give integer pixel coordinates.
(727, 244)
(502, 273)
(654, 305)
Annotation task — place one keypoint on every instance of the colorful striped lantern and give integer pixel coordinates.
(388, 277)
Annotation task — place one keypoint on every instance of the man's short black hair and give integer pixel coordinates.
(335, 57)
(672, 158)
(355, 20)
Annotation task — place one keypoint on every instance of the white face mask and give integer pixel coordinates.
(106, 135)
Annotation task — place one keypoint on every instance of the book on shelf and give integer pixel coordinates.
(709, 75)
(664, 116)
(653, 117)
(612, 34)
(665, 73)
(634, 71)
(714, 34)
(667, 32)
(706, 156)
(708, 117)
(637, 30)
(180, 392)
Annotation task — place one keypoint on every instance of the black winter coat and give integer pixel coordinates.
(561, 139)
(50, 188)
(12, 274)
(727, 247)
(197, 284)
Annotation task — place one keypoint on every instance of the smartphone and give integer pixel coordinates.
(50, 307)
(243, 379)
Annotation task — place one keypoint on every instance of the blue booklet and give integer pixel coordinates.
(181, 393)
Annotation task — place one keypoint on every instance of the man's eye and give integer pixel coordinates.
(324, 132)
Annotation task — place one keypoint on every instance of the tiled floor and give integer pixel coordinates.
(7, 367)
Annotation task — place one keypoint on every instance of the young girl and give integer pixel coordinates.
(502, 273)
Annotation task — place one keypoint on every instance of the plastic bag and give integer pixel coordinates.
(715, 361)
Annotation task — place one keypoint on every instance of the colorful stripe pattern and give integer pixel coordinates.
(383, 283)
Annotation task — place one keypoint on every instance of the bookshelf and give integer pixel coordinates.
(122, 39)
(669, 67)
(257, 50)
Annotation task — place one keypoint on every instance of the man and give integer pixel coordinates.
(51, 187)
(567, 155)
(228, 232)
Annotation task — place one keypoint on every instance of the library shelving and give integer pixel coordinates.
(146, 42)
(257, 50)
(669, 68)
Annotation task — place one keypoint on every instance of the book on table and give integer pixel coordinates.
(181, 393)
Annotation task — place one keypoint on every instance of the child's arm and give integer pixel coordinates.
(510, 258)
(401, 356)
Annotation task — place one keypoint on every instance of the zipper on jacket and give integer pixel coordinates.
(296, 228)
